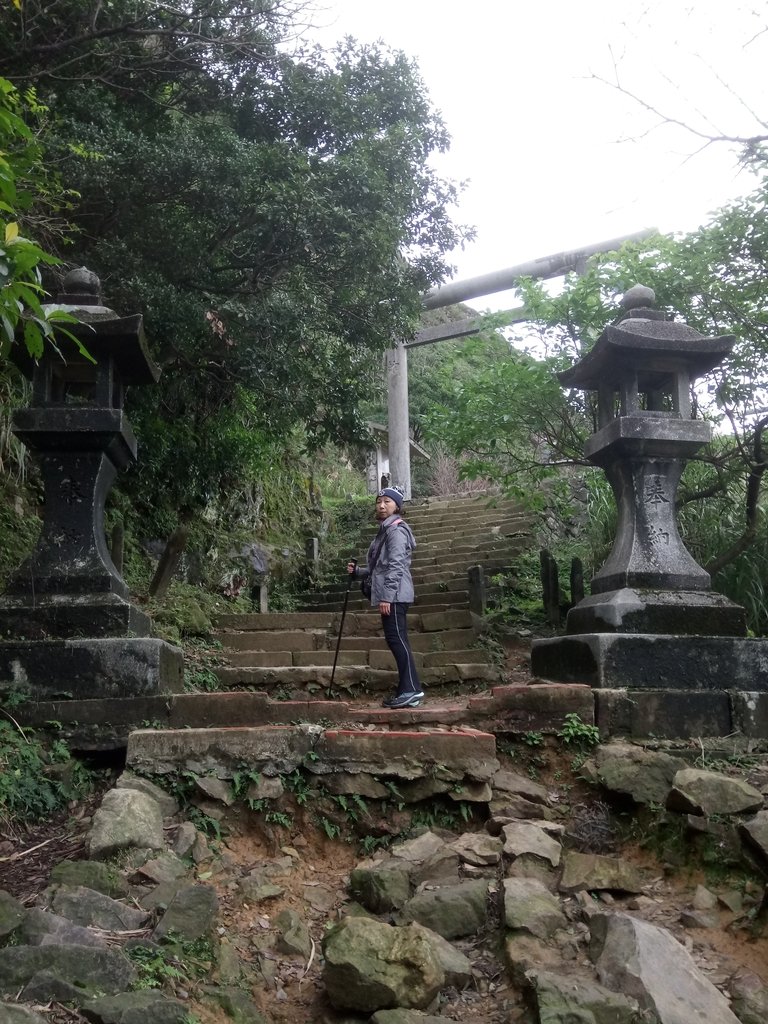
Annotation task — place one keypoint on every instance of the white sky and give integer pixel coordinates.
(539, 139)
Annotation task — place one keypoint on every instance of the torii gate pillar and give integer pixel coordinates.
(399, 427)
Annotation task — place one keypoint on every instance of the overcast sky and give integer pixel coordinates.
(554, 157)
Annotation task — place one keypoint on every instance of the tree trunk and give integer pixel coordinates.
(169, 561)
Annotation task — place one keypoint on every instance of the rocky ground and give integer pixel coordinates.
(622, 887)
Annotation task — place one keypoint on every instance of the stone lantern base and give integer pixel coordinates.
(667, 686)
(90, 668)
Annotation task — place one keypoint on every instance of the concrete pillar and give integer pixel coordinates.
(399, 436)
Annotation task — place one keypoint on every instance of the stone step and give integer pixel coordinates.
(293, 640)
(460, 755)
(105, 724)
(351, 677)
(361, 622)
(374, 657)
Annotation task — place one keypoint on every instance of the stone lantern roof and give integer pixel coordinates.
(104, 334)
(645, 344)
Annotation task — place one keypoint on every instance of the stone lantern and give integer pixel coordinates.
(66, 615)
(652, 622)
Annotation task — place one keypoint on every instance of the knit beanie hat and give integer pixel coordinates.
(395, 493)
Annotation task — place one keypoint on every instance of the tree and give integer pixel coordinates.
(273, 214)
(24, 181)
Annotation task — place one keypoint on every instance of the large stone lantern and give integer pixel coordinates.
(652, 622)
(66, 612)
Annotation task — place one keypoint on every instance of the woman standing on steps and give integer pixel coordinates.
(390, 587)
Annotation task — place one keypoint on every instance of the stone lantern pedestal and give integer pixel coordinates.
(666, 655)
(67, 627)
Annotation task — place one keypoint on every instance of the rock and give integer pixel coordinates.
(525, 838)
(46, 987)
(319, 897)
(191, 914)
(645, 962)
(504, 782)
(98, 970)
(41, 928)
(371, 966)
(161, 896)
(645, 775)
(451, 911)
(732, 900)
(215, 789)
(87, 907)
(92, 874)
(184, 839)
(381, 887)
(11, 914)
(293, 938)
(478, 848)
(165, 868)
(235, 1003)
(141, 1007)
(126, 819)
(456, 967)
(530, 907)
(703, 899)
(442, 868)
(700, 919)
(577, 1000)
(266, 788)
(405, 1017)
(471, 792)
(749, 998)
(416, 790)
(169, 805)
(701, 792)
(420, 849)
(229, 969)
(12, 1013)
(509, 807)
(754, 834)
(523, 953)
(256, 889)
(592, 872)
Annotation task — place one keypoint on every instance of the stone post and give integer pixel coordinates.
(399, 429)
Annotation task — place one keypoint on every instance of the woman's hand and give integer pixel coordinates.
(351, 567)
(384, 607)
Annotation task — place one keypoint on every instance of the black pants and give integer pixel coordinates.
(396, 634)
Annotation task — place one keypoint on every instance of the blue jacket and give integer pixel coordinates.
(391, 578)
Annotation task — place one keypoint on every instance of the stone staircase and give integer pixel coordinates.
(290, 655)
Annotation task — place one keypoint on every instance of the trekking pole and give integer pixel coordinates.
(341, 626)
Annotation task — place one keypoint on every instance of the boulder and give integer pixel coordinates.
(749, 998)
(644, 775)
(92, 874)
(442, 868)
(456, 967)
(87, 907)
(524, 838)
(645, 962)
(168, 804)
(47, 987)
(136, 1008)
(372, 966)
(451, 911)
(12, 1013)
(754, 834)
(700, 792)
(592, 872)
(41, 928)
(504, 782)
(236, 1003)
(478, 848)
(126, 819)
(419, 849)
(530, 907)
(381, 886)
(578, 1000)
(191, 914)
(293, 936)
(11, 914)
(98, 970)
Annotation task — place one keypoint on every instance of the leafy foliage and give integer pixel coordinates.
(31, 787)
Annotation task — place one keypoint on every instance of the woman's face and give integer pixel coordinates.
(385, 507)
